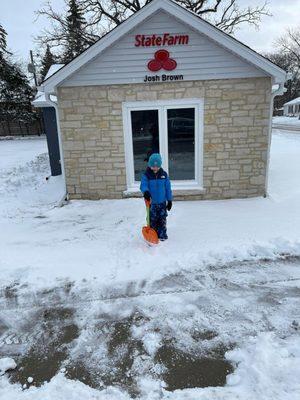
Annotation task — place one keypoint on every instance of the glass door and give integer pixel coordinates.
(145, 138)
(181, 143)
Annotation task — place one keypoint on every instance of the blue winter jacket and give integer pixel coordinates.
(158, 185)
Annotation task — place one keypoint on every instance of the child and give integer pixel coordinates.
(156, 187)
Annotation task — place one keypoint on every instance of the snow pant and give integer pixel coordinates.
(158, 219)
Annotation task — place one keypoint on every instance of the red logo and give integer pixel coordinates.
(162, 60)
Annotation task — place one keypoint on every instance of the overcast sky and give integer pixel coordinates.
(19, 19)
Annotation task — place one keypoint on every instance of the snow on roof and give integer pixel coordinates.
(295, 101)
(40, 98)
(54, 68)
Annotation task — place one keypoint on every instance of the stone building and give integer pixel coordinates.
(165, 80)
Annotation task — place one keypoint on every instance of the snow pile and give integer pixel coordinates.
(25, 176)
(267, 368)
(6, 364)
(24, 167)
(59, 388)
(152, 342)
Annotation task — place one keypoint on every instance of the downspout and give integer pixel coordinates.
(65, 197)
(277, 92)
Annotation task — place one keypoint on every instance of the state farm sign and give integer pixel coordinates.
(162, 59)
(161, 40)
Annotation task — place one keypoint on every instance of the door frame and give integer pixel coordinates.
(162, 106)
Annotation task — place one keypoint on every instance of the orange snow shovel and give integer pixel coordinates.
(149, 233)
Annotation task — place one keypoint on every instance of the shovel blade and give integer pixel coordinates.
(150, 235)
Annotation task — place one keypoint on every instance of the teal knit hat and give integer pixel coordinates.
(155, 160)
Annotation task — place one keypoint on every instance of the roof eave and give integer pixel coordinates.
(292, 102)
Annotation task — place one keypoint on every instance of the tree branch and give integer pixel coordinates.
(102, 15)
(232, 16)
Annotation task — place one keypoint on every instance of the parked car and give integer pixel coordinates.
(181, 128)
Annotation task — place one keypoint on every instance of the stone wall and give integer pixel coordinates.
(236, 131)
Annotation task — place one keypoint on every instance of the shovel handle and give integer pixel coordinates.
(148, 203)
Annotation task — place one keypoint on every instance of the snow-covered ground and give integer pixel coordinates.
(90, 239)
(224, 287)
(286, 120)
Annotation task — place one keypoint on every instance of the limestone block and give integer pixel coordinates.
(226, 175)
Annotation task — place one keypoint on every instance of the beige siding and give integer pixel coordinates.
(235, 135)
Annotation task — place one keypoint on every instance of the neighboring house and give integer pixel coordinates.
(292, 108)
(166, 80)
(50, 124)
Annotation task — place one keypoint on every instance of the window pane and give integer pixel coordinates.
(145, 137)
(181, 143)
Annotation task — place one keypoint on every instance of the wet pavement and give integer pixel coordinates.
(179, 369)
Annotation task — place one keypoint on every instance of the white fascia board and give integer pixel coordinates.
(41, 104)
(180, 13)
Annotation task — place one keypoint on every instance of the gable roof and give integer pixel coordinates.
(295, 101)
(180, 13)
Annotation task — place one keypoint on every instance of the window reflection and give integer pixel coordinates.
(181, 143)
(145, 136)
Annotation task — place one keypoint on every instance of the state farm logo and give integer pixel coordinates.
(162, 60)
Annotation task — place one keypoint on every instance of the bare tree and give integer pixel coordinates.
(103, 15)
(284, 61)
(287, 56)
(290, 44)
(57, 36)
(232, 16)
(225, 14)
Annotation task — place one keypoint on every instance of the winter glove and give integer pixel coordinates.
(147, 195)
(169, 205)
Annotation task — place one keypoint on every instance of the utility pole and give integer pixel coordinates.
(31, 68)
